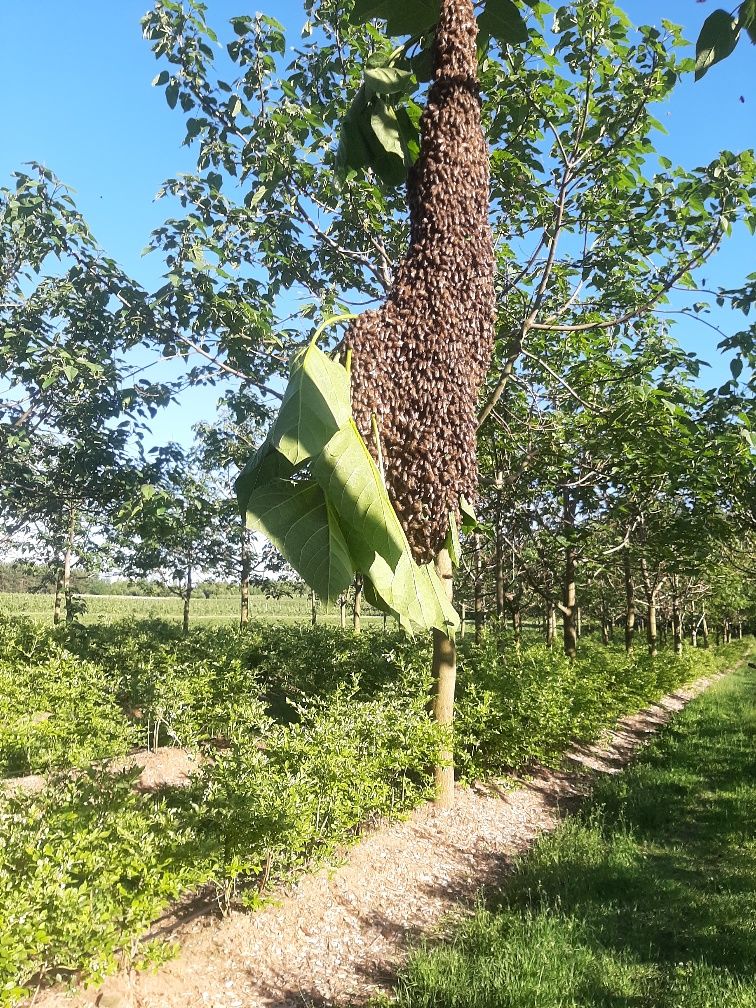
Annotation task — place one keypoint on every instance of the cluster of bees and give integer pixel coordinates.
(419, 361)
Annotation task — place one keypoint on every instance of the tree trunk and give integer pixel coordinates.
(604, 621)
(478, 555)
(187, 599)
(569, 601)
(650, 590)
(629, 601)
(58, 596)
(67, 564)
(313, 608)
(552, 625)
(651, 633)
(499, 576)
(244, 580)
(704, 630)
(342, 611)
(517, 628)
(677, 629)
(357, 608)
(444, 671)
(463, 619)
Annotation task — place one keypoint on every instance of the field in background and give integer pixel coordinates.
(105, 608)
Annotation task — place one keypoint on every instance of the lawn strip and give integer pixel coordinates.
(646, 898)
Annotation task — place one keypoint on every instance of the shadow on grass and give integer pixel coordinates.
(646, 899)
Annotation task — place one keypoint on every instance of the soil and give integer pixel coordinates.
(338, 935)
(163, 767)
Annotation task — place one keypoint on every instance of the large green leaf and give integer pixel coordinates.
(502, 20)
(392, 157)
(389, 80)
(350, 479)
(315, 405)
(303, 525)
(356, 139)
(402, 17)
(352, 483)
(265, 465)
(718, 38)
(452, 540)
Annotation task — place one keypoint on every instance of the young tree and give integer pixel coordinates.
(178, 529)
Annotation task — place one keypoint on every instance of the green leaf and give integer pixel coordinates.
(304, 527)
(377, 544)
(393, 158)
(718, 38)
(747, 18)
(171, 95)
(266, 465)
(388, 80)
(315, 406)
(351, 481)
(422, 64)
(469, 518)
(356, 137)
(502, 20)
(452, 540)
(402, 17)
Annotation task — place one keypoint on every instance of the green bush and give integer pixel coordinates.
(309, 734)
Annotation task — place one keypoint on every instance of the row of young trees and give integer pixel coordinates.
(611, 482)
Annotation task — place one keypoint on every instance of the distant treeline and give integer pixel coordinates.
(36, 578)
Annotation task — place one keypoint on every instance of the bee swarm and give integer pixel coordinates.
(419, 361)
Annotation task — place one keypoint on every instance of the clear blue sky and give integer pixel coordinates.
(75, 80)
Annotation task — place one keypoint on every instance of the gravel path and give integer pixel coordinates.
(338, 935)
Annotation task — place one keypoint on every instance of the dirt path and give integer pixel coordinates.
(338, 936)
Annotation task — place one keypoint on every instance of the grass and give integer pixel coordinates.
(203, 612)
(646, 899)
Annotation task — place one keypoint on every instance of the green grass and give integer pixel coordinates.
(646, 899)
(203, 612)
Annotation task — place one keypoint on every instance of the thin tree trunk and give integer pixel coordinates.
(579, 622)
(677, 629)
(357, 608)
(444, 671)
(313, 608)
(551, 632)
(651, 632)
(704, 630)
(499, 576)
(58, 596)
(517, 628)
(342, 611)
(478, 554)
(629, 601)
(187, 599)
(569, 627)
(569, 600)
(244, 580)
(67, 564)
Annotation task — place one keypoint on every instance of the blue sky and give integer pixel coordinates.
(76, 84)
